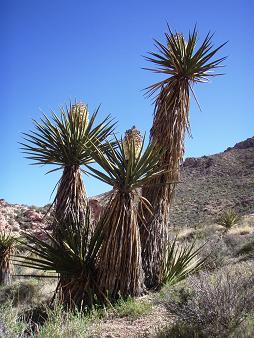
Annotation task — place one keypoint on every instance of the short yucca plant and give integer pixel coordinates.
(119, 256)
(229, 218)
(67, 141)
(181, 260)
(71, 260)
(7, 247)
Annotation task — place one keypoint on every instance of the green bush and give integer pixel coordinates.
(62, 324)
(132, 308)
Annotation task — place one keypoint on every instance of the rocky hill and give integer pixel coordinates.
(211, 184)
(19, 217)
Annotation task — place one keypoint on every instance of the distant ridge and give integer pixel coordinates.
(248, 143)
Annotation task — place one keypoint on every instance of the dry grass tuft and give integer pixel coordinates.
(241, 230)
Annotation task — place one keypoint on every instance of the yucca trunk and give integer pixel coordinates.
(168, 130)
(78, 291)
(71, 200)
(5, 266)
(119, 263)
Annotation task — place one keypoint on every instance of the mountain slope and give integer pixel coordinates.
(211, 184)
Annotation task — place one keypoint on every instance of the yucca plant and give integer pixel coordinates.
(119, 256)
(181, 261)
(7, 248)
(67, 142)
(183, 64)
(229, 218)
(71, 260)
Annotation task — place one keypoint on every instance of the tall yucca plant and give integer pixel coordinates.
(68, 141)
(126, 169)
(183, 64)
(7, 247)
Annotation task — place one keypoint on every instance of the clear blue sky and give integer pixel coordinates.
(56, 50)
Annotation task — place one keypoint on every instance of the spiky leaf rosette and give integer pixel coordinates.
(7, 247)
(71, 260)
(183, 64)
(119, 257)
(68, 141)
(181, 261)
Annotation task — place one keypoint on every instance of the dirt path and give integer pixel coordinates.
(145, 326)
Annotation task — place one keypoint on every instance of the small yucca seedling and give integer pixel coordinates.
(132, 135)
(7, 247)
(229, 218)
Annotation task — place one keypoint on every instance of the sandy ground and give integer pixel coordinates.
(145, 326)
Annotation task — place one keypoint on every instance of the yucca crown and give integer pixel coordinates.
(81, 110)
(132, 135)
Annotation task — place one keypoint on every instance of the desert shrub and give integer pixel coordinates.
(233, 241)
(246, 329)
(27, 292)
(10, 325)
(177, 330)
(216, 304)
(229, 218)
(19, 292)
(181, 330)
(35, 207)
(247, 248)
(239, 244)
(216, 252)
(43, 322)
